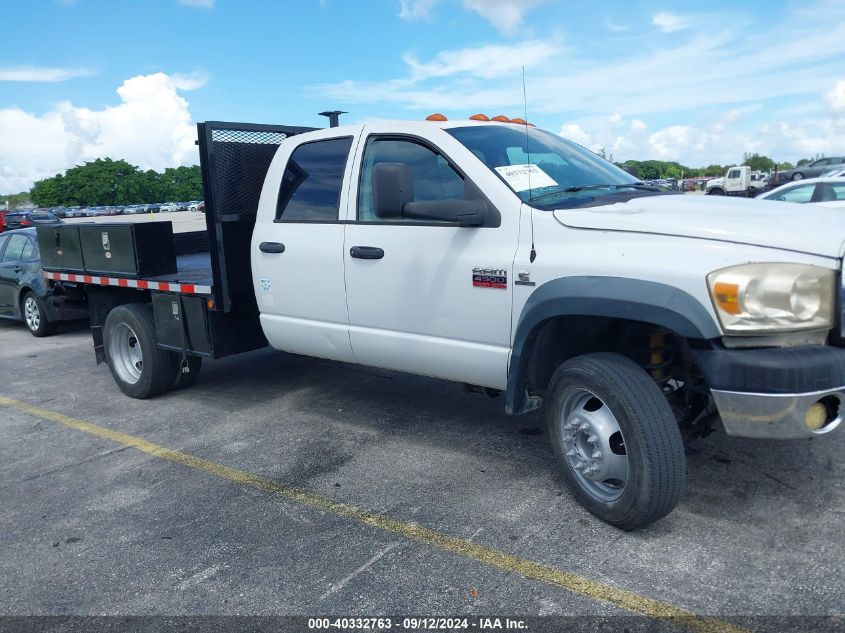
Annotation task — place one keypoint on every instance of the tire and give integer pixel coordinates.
(598, 391)
(715, 192)
(34, 314)
(798, 176)
(138, 366)
(180, 379)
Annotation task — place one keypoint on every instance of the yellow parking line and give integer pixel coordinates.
(627, 600)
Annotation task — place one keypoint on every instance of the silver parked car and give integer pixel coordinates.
(813, 169)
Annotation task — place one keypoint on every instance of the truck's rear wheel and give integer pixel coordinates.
(616, 440)
(138, 366)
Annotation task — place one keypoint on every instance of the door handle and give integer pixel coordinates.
(271, 247)
(366, 252)
(17, 269)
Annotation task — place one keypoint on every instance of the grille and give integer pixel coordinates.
(239, 162)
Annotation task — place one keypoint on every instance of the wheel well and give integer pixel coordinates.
(662, 353)
(21, 295)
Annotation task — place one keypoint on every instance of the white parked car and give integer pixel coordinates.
(826, 192)
(169, 207)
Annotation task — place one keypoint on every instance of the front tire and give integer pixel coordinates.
(616, 440)
(798, 176)
(138, 366)
(716, 192)
(35, 315)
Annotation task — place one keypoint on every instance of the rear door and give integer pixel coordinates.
(297, 248)
(11, 267)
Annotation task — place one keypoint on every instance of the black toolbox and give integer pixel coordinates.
(142, 249)
(60, 247)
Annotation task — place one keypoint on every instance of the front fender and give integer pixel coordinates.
(614, 297)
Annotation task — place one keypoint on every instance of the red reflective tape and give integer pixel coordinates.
(88, 279)
(123, 283)
(142, 284)
(188, 288)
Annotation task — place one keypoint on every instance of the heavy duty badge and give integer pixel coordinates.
(489, 277)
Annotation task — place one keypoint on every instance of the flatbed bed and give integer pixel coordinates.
(193, 277)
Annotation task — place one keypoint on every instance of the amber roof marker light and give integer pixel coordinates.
(436, 117)
(479, 117)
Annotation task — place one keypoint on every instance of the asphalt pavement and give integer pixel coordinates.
(300, 486)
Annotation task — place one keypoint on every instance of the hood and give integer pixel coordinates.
(715, 181)
(804, 228)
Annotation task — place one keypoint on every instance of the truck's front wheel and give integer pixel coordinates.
(616, 440)
(138, 366)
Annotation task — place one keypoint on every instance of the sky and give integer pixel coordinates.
(697, 83)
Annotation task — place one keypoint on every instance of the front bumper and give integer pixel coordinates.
(766, 393)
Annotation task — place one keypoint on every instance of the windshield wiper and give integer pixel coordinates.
(632, 185)
(574, 188)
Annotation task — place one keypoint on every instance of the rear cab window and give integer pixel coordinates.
(312, 181)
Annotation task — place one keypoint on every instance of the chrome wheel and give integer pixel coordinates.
(593, 445)
(125, 353)
(31, 313)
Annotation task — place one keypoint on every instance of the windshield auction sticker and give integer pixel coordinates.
(525, 177)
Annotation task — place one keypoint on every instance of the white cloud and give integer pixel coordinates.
(638, 125)
(671, 22)
(416, 9)
(835, 99)
(615, 26)
(198, 4)
(150, 127)
(505, 15)
(485, 61)
(42, 73)
(191, 81)
(574, 132)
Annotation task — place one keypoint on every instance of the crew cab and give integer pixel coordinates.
(504, 257)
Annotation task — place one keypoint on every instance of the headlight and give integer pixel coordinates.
(764, 298)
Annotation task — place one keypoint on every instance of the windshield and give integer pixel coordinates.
(544, 169)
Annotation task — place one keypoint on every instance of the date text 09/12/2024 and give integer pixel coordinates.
(417, 624)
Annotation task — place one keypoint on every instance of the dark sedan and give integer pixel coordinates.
(23, 219)
(24, 293)
(813, 169)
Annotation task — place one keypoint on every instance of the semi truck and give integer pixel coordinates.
(738, 181)
(490, 253)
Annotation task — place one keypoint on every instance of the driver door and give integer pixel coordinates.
(428, 297)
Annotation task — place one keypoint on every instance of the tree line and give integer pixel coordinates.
(654, 169)
(107, 182)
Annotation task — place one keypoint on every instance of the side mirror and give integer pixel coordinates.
(462, 212)
(393, 197)
(393, 188)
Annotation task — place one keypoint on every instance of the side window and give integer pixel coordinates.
(310, 190)
(801, 193)
(14, 248)
(434, 178)
(28, 250)
(734, 173)
(838, 191)
(821, 163)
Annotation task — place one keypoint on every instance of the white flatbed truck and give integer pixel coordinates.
(504, 257)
